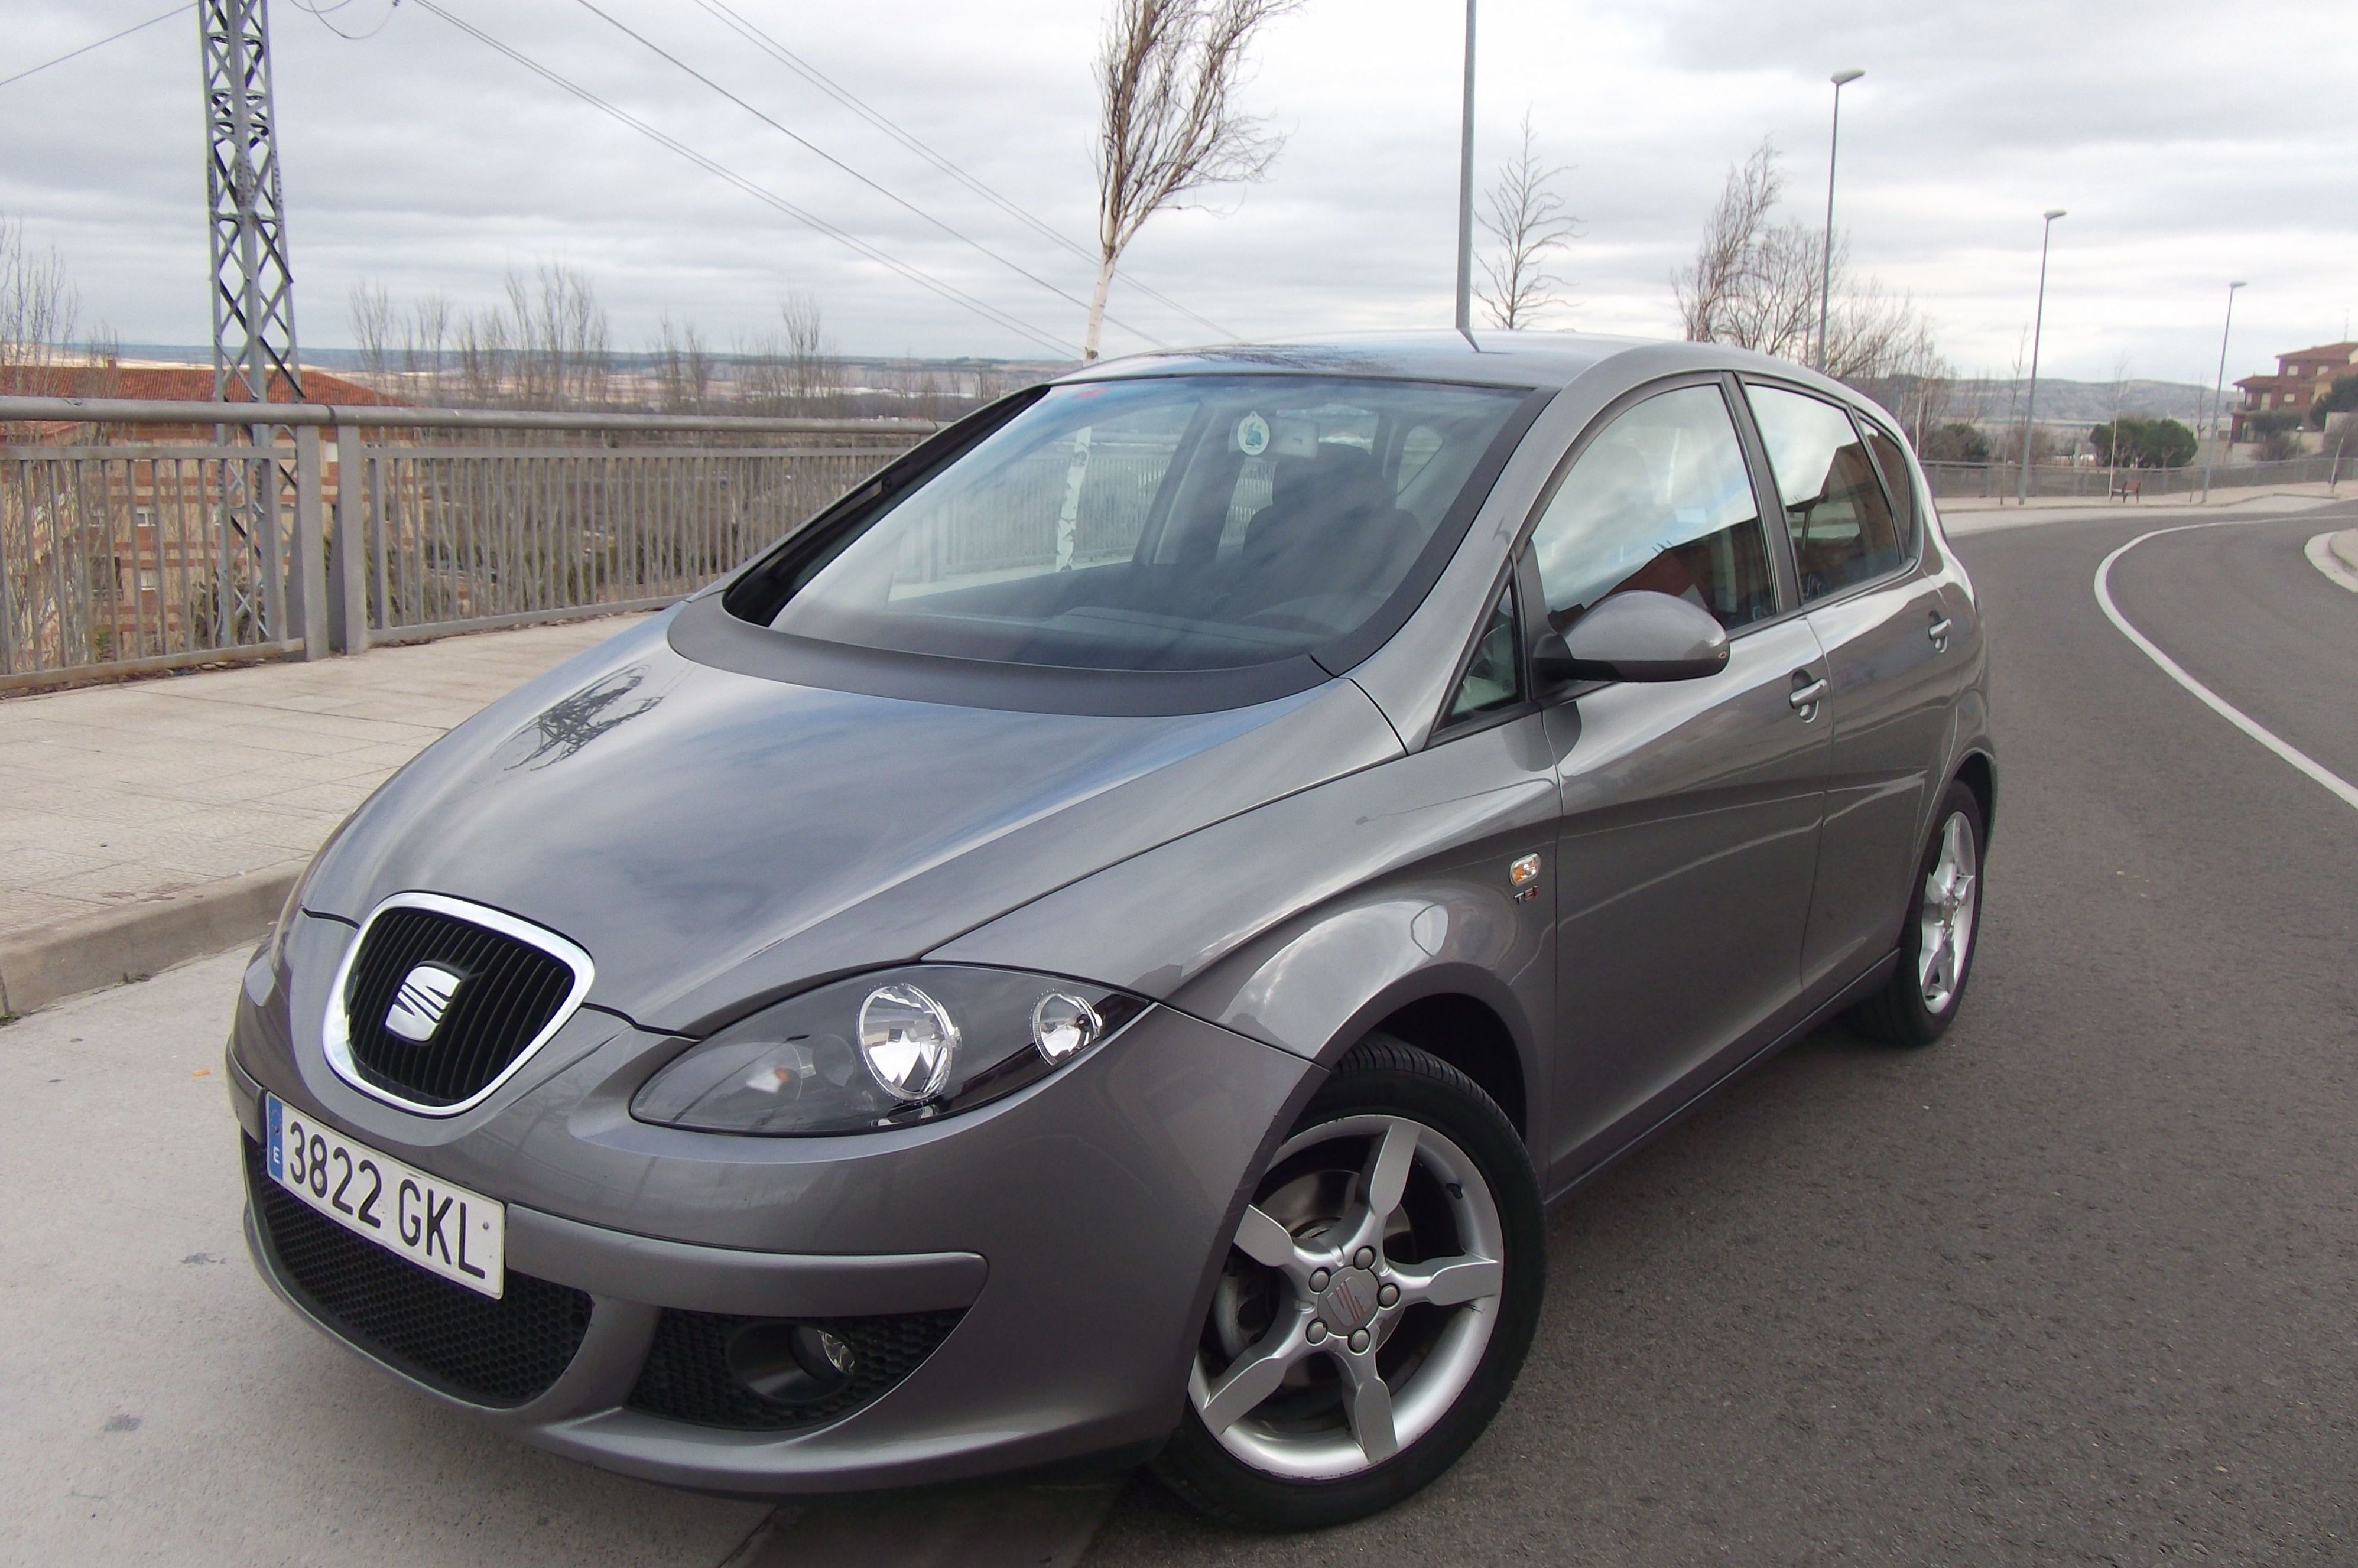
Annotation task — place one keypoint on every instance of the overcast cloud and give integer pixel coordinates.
(2191, 142)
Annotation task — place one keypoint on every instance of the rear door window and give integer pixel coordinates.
(1898, 482)
(1843, 532)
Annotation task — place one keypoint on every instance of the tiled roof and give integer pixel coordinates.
(166, 383)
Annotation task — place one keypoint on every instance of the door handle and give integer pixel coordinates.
(1806, 697)
(1939, 632)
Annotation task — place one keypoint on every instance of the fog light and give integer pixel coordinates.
(790, 1363)
(1062, 1025)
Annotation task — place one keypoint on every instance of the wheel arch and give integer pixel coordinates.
(1467, 1032)
(1978, 774)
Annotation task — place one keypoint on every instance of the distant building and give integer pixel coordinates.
(2302, 377)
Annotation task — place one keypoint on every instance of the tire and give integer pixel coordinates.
(1307, 1452)
(1911, 1010)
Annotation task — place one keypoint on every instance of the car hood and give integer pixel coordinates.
(716, 839)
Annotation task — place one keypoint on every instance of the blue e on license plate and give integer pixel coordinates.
(458, 1234)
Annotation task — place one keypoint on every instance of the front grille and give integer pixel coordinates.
(509, 992)
(687, 1377)
(501, 1352)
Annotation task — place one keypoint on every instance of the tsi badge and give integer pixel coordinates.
(424, 996)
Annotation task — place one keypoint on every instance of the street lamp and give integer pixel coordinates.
(2219, 392)
(1466, 194)
(1840, 80)
(2037, 325)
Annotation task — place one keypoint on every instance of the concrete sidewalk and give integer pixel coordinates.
(149, 822)
(1973, 515)
(2221, 496)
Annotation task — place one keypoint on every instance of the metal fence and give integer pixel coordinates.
(1952, 480)
(336, 527)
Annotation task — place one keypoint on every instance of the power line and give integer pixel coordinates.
(813, 148)
(322, 13)
(753, 34)
(70, 54)
(989, 312)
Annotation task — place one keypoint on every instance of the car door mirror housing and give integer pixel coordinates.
(1635, 635)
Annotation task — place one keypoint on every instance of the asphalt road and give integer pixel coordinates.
(2074, 1286)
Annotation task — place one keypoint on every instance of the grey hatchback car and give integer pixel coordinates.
(1101, 944)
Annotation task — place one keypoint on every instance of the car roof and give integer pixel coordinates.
(1541, 360)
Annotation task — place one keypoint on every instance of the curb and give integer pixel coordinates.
(47, 965)
(2336, 555)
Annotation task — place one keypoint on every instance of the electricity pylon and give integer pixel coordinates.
(253, 303)
(252, 287)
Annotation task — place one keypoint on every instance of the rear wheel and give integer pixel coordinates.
(1376, 1305)
(1936, 945)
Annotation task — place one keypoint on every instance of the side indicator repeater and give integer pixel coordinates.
(1524, 875)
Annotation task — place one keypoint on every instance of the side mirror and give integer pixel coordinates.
(1636, 636)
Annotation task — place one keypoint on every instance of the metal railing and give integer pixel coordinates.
(1952, 480)
(332, 527)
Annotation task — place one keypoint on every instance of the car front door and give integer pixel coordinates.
(1690, 808)
(1885, 631)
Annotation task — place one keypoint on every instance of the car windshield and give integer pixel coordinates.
(1178, 523)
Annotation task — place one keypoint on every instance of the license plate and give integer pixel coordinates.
(458, 1234)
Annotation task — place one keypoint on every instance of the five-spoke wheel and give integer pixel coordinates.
(1936, 945)
(1945, 914)
(1379, 1293)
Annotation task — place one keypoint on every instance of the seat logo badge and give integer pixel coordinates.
(418, 1007)
(1524, 874)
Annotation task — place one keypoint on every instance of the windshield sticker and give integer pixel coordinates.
(1252, 435)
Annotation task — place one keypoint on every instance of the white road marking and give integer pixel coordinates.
(2321, 555)
(2341, 787)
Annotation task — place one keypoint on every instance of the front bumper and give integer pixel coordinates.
(1070, 1233)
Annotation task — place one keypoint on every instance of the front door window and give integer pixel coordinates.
(1660, 500)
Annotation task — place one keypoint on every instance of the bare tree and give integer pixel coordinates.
(1526, 216)
(424, 343)
(682, 370)
(372, 328)
(1168, 125)
(794, 371)
(39, 309)
(1755, 283)
(1725, 260)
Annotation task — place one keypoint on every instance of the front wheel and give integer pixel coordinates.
(1936, 946)
(1378, 1299)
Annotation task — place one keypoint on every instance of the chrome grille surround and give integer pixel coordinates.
(336, 1027)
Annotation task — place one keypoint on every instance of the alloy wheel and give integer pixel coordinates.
(1364, 1287)
(1951, 899)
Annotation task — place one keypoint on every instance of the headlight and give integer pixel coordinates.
(889, 1050)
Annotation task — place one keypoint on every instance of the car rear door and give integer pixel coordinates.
(1689, 809)
(1887, 632)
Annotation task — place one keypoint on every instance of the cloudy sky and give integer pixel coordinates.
(2192, 143)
